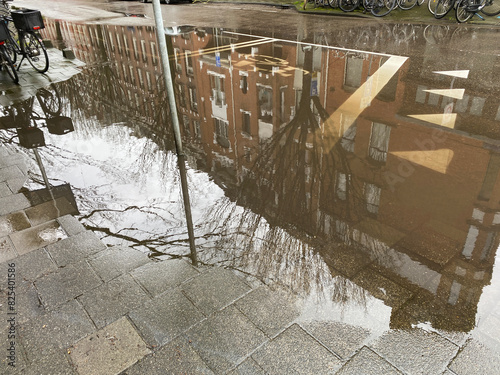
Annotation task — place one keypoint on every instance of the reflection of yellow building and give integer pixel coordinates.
(346, 156)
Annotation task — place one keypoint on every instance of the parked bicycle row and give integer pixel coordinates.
(464, 9)
(19, 37)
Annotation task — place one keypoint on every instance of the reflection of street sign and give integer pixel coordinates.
(217, 59)
(314, 84)
(448, 116)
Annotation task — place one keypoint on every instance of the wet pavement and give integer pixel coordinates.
(344, 189)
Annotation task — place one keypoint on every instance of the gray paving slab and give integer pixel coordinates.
(71, 225)
(14, 159)
(347, 261)
(165, 317)
(55, 331)
(157, 277)
(270, 310)
(13, 222)
(75, 248)
(296, 352)
(10, 172)
(27, 304)
(247, 367)
(13, 359)
(225, 339)
(117, 260)
(7, 250)
(415, 351)
(66, 283)
(34, 238)
(4, 190)
(15, 184)
(50, 210)
(110, 350)
(57, 363)
(112, 300)
(476, 358)
(13, 203)
(366, 362)
(214, 289)
(328, 333)
(382, 288)
(175, 358)
(34, 265)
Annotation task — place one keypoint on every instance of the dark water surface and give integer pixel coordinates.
(365, 181)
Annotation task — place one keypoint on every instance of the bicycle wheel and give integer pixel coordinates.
(35, 51)
(380, 8)
(461, 12)
(420, 2)
(333, 3)
(348, 5)
(49, 100)
(492, 8)
(443, 7)
(7, 64)
(431, 5)
(407, 4)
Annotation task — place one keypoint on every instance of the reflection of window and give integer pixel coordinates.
(265, 103)
(153, 52)
(372, 197)
(282, 104)
(178, 66)
(132, 75)
(192, 99)
(347, 132)
(476, 107)
(182, 96)
(148, 79)
(197, 129)
(379, 141)
(136, 50)
(217, 86)
(185, 121)
(221, 131)
(246, 123)
(189, 62)
(341, 186)
(143, 50)
(353, 71)
(244, 84)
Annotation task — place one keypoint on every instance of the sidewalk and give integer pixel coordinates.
(83, 308)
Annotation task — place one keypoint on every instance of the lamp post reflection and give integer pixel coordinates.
(162, 46)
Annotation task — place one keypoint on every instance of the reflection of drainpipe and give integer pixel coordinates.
(162, 48)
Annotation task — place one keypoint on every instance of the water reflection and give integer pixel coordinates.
(355, 175)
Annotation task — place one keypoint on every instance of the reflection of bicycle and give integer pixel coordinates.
(6, 62)
(24, 117)
(27, 43)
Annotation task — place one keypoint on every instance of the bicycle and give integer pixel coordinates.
(378, 8)
(5, 59)
(467, 8)
(28, 43)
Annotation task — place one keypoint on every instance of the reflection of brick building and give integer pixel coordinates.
(418, 200)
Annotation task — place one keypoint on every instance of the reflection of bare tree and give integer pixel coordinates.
(280, 194)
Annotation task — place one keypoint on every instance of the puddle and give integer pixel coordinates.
(366, 182)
